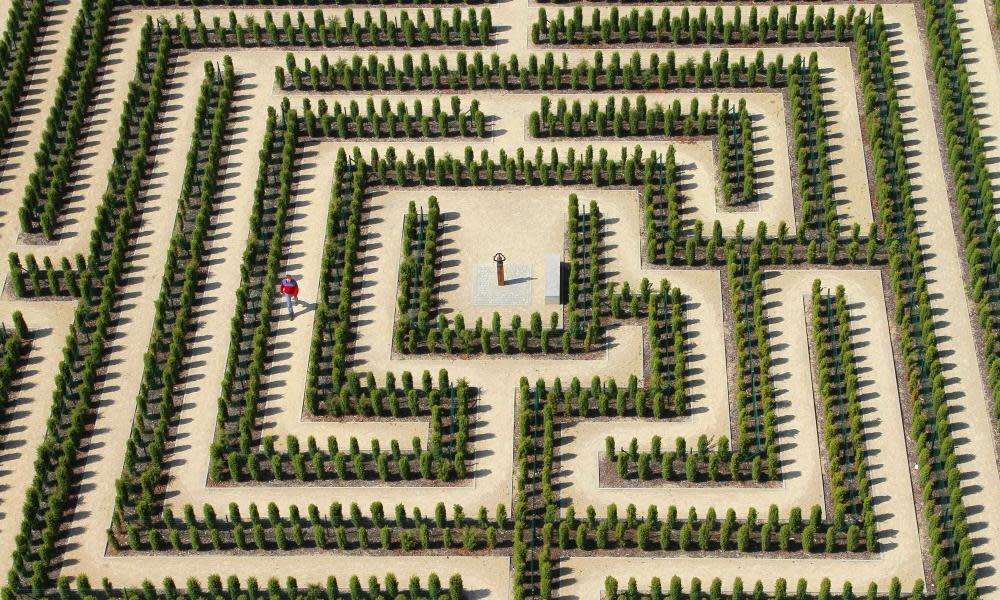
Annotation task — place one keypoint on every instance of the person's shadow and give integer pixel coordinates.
(302, 307)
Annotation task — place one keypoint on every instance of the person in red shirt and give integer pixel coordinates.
(290, 289)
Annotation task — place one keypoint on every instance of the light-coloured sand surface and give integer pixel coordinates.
(525, 224)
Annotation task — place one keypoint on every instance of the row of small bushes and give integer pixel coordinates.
(640, 120)
(784, 249)
(736, 125)
(815, 185)
(583, 300)
(252, 3)
(541, 73)
(472, 28)
(603, 399)
(349, 122)
(50, 494)
(643, 27)
(332, 325)
(255, 3)
(25, 20)
(754, 388)
(781, 590)
(418, 268)
(156, 402)
(357, 399)
(31, 281)
(662, 207)
(705, 465)
(315, 531)
(16, 344)
(273, 589)
(454, 336)
(45, 193)
(532, 566)
(838, 386)
(709, 533)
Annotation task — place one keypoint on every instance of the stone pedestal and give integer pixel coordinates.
(516, 290)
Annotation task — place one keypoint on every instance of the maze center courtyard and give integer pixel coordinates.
(744, 343)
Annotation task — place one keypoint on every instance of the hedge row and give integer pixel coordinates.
(50, 494)
(45, 193)
(754, 389)
(32, 281)
(583, 232)
(781, 590)
(736, 163)
(346, 122)
(539, 74)
(366, 399)
(333, 530)
(16, 344)
(624, 121)
(533, 495)
(705, 464)
(417, 288)
(644, 28)
(156, 402)
(709, 533)
(25, 20)
(455, 337)
(332, 324)
(273, 589)
(843, 432)
(471, 29)
(819, 208)
(252, 3)
(606, 399)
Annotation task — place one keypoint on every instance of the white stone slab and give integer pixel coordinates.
(516, 291)
(553, 278)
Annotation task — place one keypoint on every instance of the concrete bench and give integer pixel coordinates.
(553, 279)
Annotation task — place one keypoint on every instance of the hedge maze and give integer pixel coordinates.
(770, 370)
